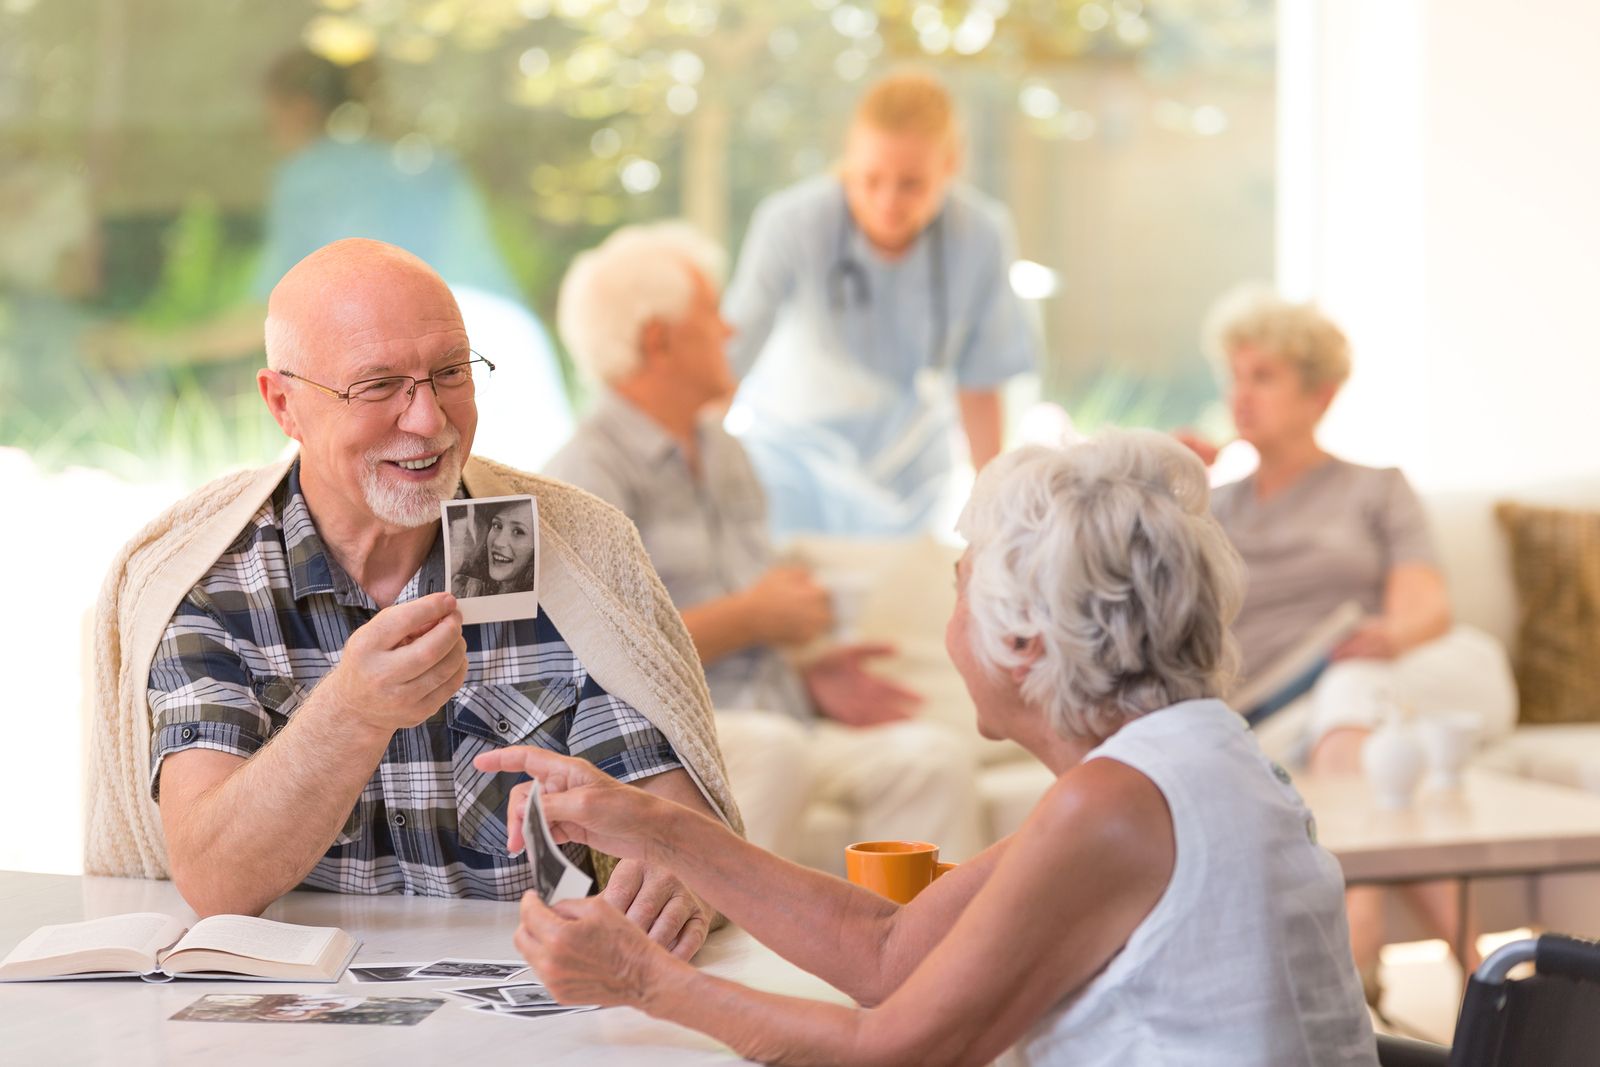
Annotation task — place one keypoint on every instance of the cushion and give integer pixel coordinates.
(1555, 565)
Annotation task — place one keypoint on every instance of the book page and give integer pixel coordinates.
(141, 933)
(260, 939)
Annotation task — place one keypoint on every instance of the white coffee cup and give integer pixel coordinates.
(1392, 758)
(1448, 738)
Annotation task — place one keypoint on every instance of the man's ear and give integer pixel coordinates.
(271, 385)
(654, 343)
(1028, 650)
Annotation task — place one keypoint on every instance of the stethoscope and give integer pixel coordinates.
(848, 284)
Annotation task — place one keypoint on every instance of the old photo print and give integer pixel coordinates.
(555, 877)
(491, 557)
(309, 1008)
(500, 969)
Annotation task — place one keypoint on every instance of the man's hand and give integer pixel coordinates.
(656, 902)
(400, 668)
(844, 691)
(1374, 640)
(785, 607)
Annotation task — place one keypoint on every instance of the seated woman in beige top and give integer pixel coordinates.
(1315, 532)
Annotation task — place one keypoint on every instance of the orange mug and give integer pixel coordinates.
(898, 870)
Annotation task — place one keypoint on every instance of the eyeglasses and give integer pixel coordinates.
(392, 394)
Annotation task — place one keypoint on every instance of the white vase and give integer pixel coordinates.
(1393, 760)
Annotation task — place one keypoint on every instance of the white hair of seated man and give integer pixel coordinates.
(1107, 552)
(613, 290)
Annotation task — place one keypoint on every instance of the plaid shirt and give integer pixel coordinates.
(267, 623)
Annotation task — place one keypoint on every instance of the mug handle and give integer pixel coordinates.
(940, 869)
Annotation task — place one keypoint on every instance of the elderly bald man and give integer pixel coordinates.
(316, 701)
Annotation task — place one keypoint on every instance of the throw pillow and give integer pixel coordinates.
(1555, 565)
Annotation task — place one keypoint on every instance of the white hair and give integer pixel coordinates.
(637, 275)
(1106, 552)
(285, 350)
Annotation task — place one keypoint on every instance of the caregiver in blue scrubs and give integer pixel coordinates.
(874, 313)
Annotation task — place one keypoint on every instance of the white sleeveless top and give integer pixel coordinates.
(1245, 960)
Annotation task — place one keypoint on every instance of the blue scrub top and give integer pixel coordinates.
(845, 407)
(331, 190)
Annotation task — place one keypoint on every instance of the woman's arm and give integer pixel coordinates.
(1416, 609)
(850, 937)
(1079, 877)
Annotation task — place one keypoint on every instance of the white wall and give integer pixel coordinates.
(1456, 230)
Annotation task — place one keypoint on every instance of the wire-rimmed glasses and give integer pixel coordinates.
(391, 394)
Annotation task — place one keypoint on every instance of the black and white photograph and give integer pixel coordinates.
(514, 995)
(526, 996)
(491, 557)
(535, 1012)
(309, 1008)
(500, 969)
(389, 972)
(555, 877)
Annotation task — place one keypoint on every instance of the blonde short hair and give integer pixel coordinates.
(909, 101)
(1255, 316)
(1106, 553)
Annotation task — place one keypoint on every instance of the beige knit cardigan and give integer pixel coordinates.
(594, 580)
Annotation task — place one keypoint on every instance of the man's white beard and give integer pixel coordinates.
(412, 504)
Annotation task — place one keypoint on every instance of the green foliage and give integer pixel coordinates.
(202, 272)
(166, 425)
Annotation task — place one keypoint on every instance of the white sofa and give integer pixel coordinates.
(912, 592)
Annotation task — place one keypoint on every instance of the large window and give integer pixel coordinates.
(1132, 142)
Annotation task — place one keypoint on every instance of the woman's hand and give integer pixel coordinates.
(582, 803)
(586, 952)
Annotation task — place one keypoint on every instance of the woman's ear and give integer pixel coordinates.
(1028, 650)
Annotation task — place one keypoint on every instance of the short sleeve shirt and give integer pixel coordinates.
(706, 536)
(1332, 536)
(249, 644)
(835, 343)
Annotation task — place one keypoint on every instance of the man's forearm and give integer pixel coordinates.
(255, 833)
(824, 925)
(721, 627)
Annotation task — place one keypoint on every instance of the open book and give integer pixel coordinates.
(1293, 673)
(157, 948)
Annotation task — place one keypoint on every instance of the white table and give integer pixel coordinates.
(1495, 824)
(127, 1022)
(1492, 826)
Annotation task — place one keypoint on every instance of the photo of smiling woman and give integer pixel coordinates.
(495, 547)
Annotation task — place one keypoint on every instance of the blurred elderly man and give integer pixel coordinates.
(314, 701)
(639, 313)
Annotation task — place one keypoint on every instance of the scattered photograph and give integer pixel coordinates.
(491, 557)
(312, 1008)
(526, 996)
(555, 877)
(388, 972)
(471, 969)
(528, 992)
(536, 1012)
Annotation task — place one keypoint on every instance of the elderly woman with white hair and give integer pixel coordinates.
(1166, 901)
(1317, 532)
